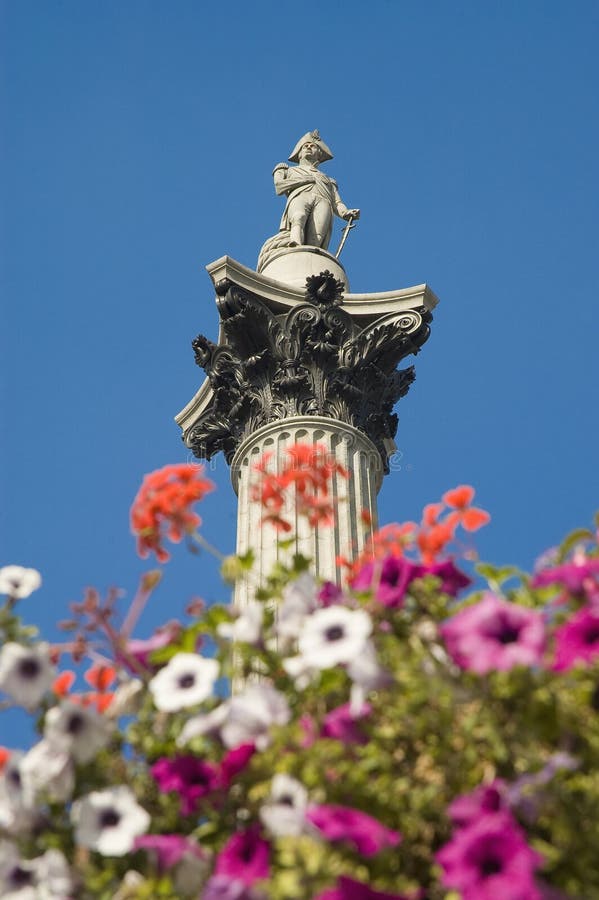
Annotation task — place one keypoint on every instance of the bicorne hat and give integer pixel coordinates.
(312, 137)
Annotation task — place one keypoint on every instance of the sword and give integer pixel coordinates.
(350, 224)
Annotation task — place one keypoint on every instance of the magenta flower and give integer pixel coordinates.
(490, 859)
(342, 724)
(188, 776)
(348, 889)
(235, 762)
(169, 848)
(495, 635)
(468, 808)
(245, 857)
(577, 640)
(452, 580)
(342, 823)
(391, 578)
(330, 594)
(573, 576)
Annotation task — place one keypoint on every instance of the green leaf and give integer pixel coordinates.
(579, 536)
(497, 574)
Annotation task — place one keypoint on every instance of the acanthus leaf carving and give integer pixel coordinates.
(313, 360)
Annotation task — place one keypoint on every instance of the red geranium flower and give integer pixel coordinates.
(163, 505)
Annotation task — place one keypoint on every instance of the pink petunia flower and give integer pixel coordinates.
(494, 634)
(391, 579)
(348, 889)
(490, 859)
(577, 640)
(329, 594)
(169, 848)
(342, 823)
(188, 776)
(342, 724)
(235, 762)
(452, 579)
(575, 576)
(468, 808)
(245, 857)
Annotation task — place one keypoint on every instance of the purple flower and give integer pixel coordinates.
(188, 776)
(495, 635)
(452, 580)
(490, 859)
(572, 575)
(245, 857)
(577, 640)
(488, 798)
(329, 594)
(342, 823)
(391, 579)
(341, 724)
(348, 889)
(169, 848)
(235, 762)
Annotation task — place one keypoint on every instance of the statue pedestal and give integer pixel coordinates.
(292, 265)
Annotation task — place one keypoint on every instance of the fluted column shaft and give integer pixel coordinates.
(323, 544)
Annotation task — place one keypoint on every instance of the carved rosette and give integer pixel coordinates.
(311, 361)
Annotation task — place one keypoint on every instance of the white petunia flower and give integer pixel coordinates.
(333, 636)
(284, 814)
(299, 600)
(46, 877)
(19, 582)
(247, 627)
(300, 670)
(367, 675)
(47, 769)
(17, 799)
(251, 714)
(186, 680)
(208, 723)
(26, 673)
(78, 730)
(109, 821)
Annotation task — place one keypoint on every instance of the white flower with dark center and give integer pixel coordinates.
(208, 723)
(46, 769)
(109, 821)
(46, 877)
(299, 600)
(245, 718)
(334, 636)
(17, 809)
(18, 582)
(247, 627)
(284, 814)
(26, 673)
(78, 730)
(251, 714)
(186, 680)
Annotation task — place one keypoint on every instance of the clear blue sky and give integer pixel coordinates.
(139, 140)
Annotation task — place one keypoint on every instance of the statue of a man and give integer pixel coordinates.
(312, 197)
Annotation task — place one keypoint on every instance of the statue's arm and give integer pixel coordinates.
(340, 208)
(287, 178)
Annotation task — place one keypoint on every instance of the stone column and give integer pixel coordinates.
(306, 363)
(322, 544)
